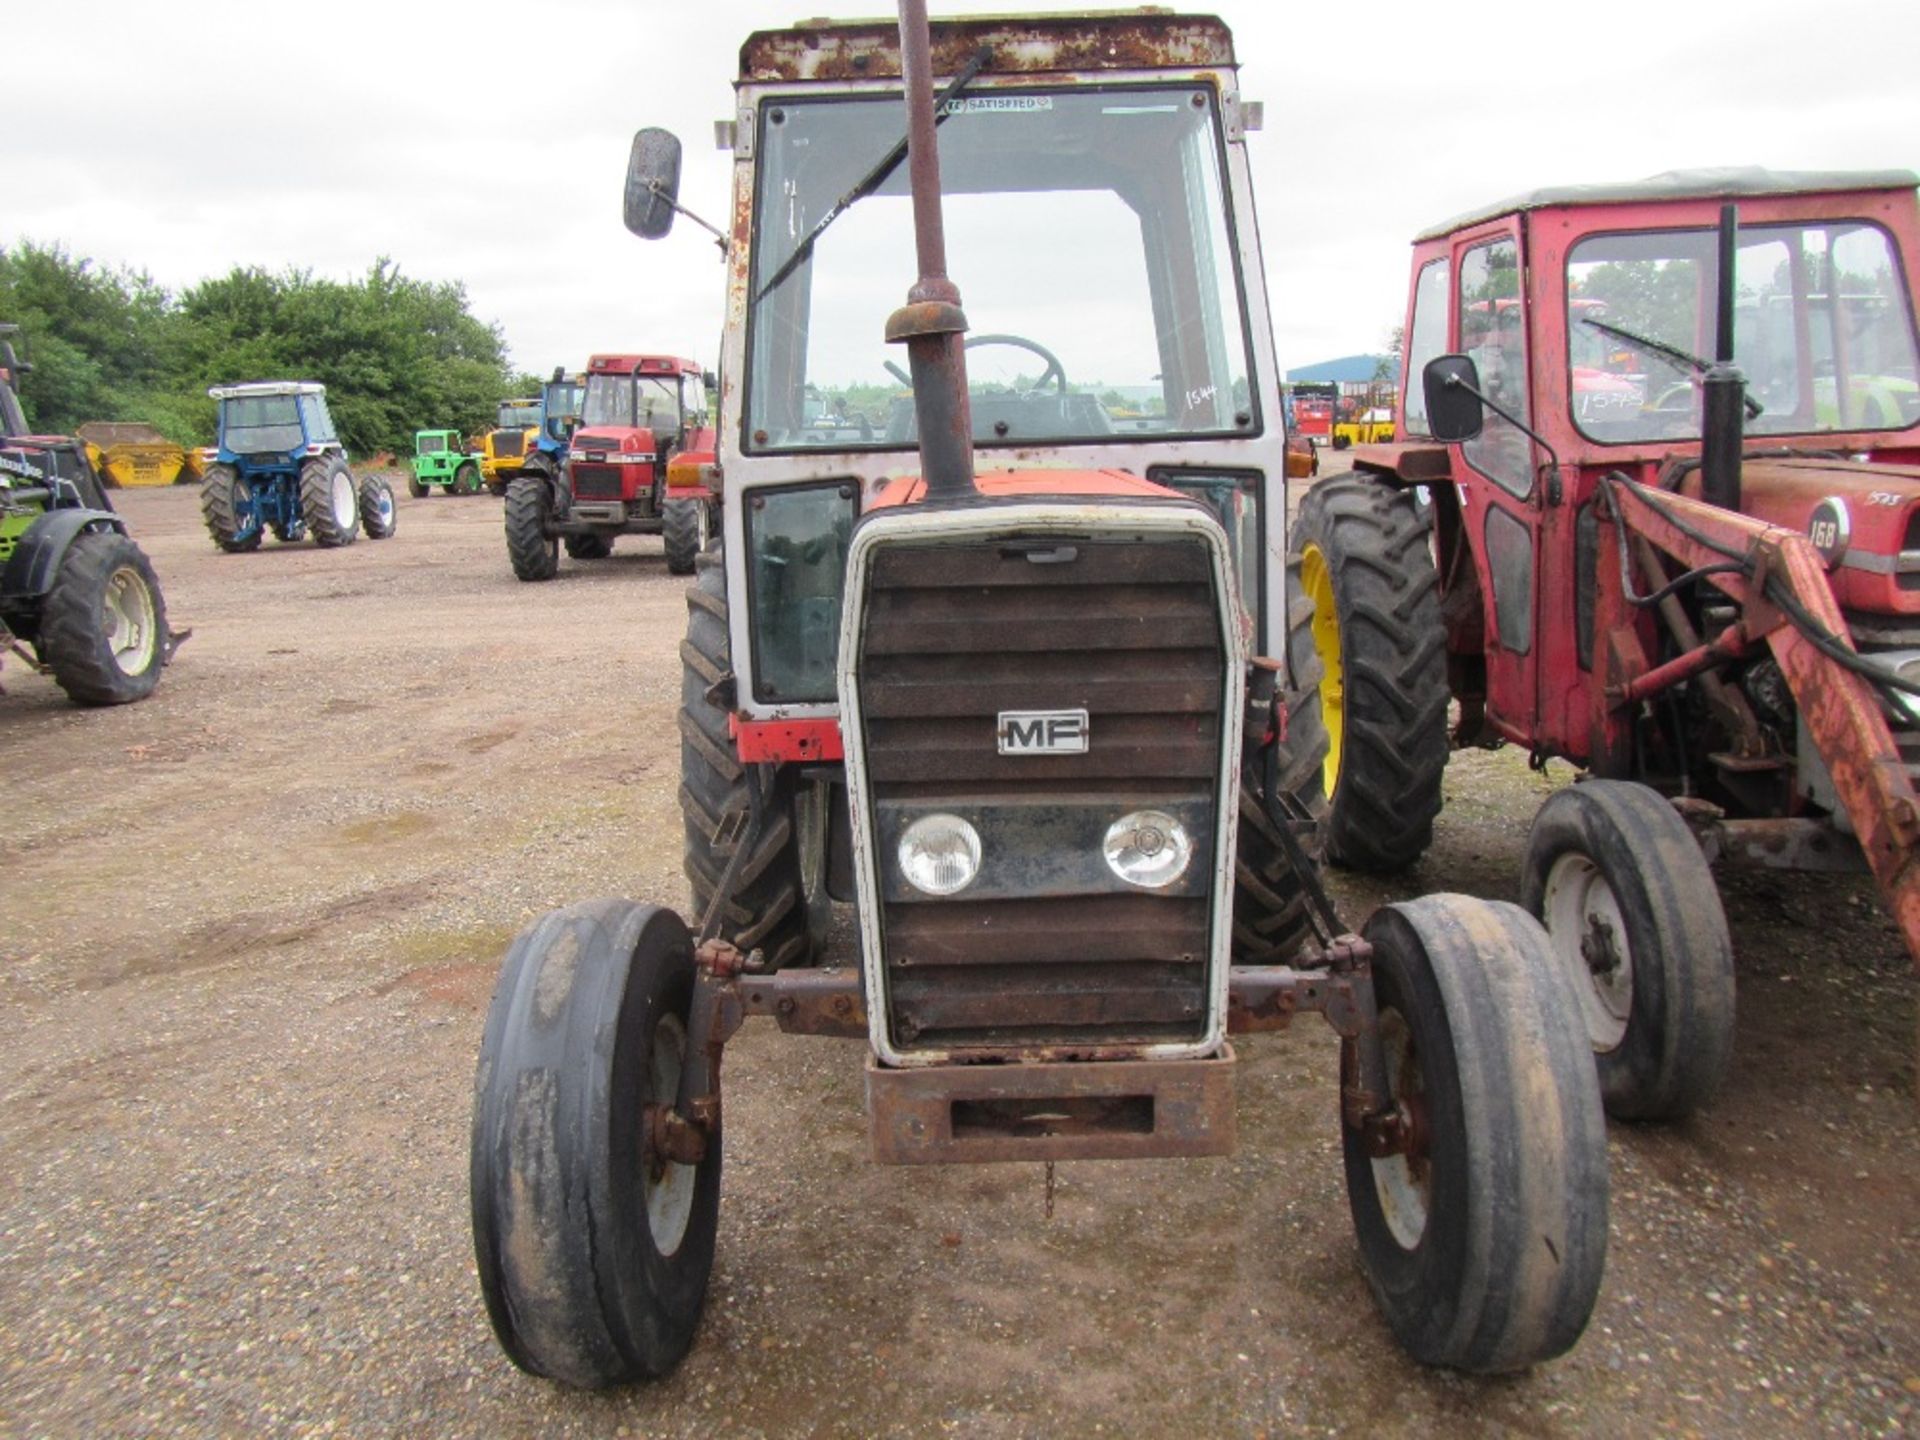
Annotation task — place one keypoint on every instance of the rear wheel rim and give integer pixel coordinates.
(130, 623)
(344, 506)
(1316, 579)
(1589, 937)
(1404, 1183)
(669, 1185)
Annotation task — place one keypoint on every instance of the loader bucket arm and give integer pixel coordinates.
(1841, 709)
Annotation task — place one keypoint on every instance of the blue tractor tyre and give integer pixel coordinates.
(377, 514)
(328, 501)
(227, 506)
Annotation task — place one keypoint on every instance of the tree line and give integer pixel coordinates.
(395, 353)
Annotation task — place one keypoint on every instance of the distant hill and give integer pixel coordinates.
(1348, 367)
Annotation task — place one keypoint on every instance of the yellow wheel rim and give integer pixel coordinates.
(1316, 578)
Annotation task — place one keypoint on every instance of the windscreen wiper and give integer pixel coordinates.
(876, 177)
(1667, 352)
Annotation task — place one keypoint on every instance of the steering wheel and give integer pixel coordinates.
(1053, 371)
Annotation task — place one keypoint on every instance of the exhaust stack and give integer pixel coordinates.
(1723, 389)
(932, 322)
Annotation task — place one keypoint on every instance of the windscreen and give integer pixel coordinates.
(1087, 231)
(260, 424)
(1823, 330)
(629, 400)
(432, 444)
(519, 414)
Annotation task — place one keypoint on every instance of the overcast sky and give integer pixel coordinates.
(486, 143)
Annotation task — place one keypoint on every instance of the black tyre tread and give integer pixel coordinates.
(466, 479)
(1270, 915)
(1393, 643)
(680, 534)
(767, 910)
(72, 638)
(217, 509)
(1509, 1268)
(1679, 1038)
(575, 1288)
(416, 487)
(316, 502)
(589, 547)
(371, 490)
(532, 551)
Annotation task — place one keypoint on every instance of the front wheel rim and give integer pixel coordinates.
(131, 625)
(667, 1184)
(1589, 937)
(344, 509)
(1403, 1182)
(1316, 580)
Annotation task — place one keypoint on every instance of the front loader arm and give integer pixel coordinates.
(1840, 708)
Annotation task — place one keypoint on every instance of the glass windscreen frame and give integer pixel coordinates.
(261, 424)
(631, 390)
(1622, 394)
(1187, 324)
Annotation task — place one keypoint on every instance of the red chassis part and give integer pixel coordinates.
(1839, 708)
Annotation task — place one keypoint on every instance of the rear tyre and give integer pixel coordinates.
(534, 552)
(589, 547)
(466, 480)
(103, 625)
(1636, 924)
(594, 1255)
(1485, 1244)
(1270, 917)
(1361, 555)
(328, 501)
(685, 526)
(377, 513)
(226, 504)
(769, 909)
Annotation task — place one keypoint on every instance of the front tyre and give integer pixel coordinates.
(328, 501)
(1485, 1241)
(685, 527)
(589, 547)
(378, 515)
(594, 1253)
(1360, 551)
(466, 479)
(227, 506)
(1636, 924)
(103, 627)
(531, 547)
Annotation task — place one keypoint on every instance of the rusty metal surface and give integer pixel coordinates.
(808, 1002)
(1840, 709)
(830, 51)
(1105, 1110)
(954, 636)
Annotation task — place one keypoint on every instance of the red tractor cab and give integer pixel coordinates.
(635, 466)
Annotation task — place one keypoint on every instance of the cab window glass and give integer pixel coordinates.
(1427, 339)
(1493, 334)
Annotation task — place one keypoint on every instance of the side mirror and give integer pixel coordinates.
(1451, 384)
(710, 380)
(653, 182)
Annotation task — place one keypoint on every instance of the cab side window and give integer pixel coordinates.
(1493, 333)
(1427, 339)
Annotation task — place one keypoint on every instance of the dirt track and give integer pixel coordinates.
(248, 930)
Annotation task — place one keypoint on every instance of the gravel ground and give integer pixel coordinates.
(248, 930)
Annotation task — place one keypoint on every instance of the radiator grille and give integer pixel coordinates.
(955, 633)
(509, 444)
(596, 482)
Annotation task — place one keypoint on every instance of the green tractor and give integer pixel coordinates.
(78, 599)
(441, 458)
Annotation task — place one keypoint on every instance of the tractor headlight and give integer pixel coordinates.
(1148, 848)
(940, 854)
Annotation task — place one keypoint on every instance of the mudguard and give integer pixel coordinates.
(37, 556)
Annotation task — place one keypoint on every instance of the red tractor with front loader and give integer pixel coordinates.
(1024, 681)
(1671, 432)
(639, 415)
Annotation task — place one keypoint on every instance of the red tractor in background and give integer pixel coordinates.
(1671, 431)
(633, 467)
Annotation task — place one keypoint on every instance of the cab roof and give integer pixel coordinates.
(642, 365)
(266, 387)
(1728, 182)
(1149, 38)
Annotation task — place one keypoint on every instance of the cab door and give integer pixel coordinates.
(1503, 512)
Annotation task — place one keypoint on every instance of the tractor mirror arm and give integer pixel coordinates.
(1454, 400)
(660, 193)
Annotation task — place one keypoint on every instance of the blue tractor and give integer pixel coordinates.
(281, 467)
(561, 399)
